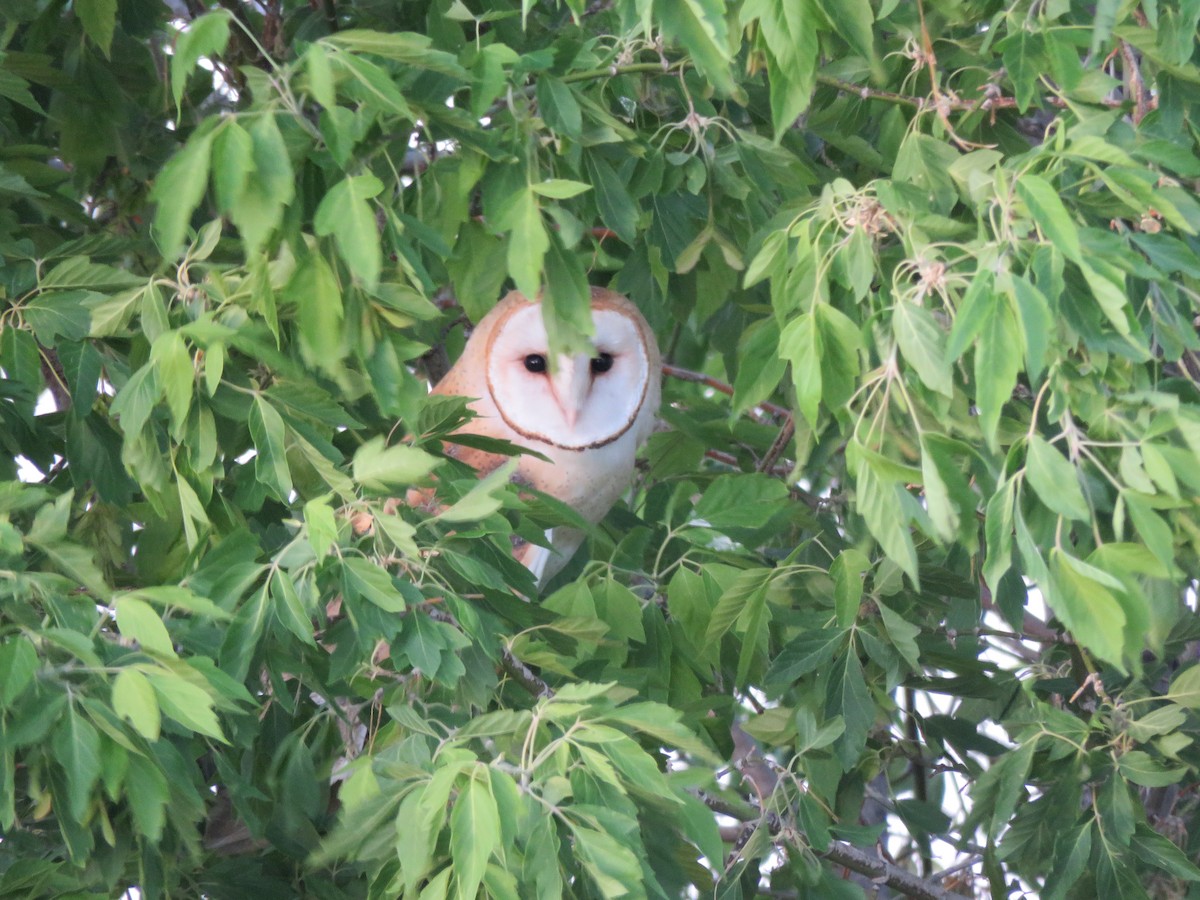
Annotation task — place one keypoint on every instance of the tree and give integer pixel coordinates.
(905, 590)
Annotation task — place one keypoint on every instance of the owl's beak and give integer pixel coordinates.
(572, 382)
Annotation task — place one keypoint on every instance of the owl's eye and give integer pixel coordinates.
(601, 363)
(535, 363)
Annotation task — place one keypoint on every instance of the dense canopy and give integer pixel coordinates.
(904, 592)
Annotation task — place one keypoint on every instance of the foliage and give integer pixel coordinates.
(926, 274)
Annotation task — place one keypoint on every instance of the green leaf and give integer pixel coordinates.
(18, 664)
(699, 825)
(848, 697)
(902, 632)
(559, 107)
(406, 47)
(232, 164)
(699, 26)
(805, 654)
(1155, 532)
(320, 75)
(801, 345)
(1108, 288)
(149, 794)
(1155, 850)
(315, 291)
(176, 375)
(852, 20)
(474, 834)
(207, 35)
(1024, 62)
(748, 589)
(847, 574)
(1087, 607)
(76, 745)
(139, 622)
(617, 208)
(527, 244)
(270, 463)
(1071, 853)
(559, 188)
(1103, 19)
(1114, 804)
(759, 366)
(1055, 479)
(790, 29)
(258, 210)
(133, 699)
(1185, 688)
(1050, 214)
(745, 501)
(611, 865)
(362, 578)
(1037, 324)
(1141, 768)
(996, 366)
(998, 531)
(188, 704)
(321, 525)
(922, 342)
(380, 468)
(136, 400)
(878, 501)
(973, 311)
(99, 20)
(345, 213)
(373, 86)
(948, 495)
(1000, 788)
(59, 313)
(566, 301)
(181, 598)
(178, 190)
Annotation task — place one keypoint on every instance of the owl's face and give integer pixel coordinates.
(572, 402)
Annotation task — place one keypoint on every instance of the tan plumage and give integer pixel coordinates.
(588, 413)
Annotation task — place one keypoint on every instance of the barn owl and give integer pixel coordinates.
(588, 413)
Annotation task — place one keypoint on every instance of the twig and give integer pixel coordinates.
(1135, 87)
(517, 670)
(881, 870)
(1033, 628)
(846, 855)
(767, 463)
(628, 69)
(973, 860)
(331, 22)
(718, 385)
(523, 675)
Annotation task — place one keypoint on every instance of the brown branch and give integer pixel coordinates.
(1135, 86)
(952, 103)
(882, 871)
(330, 9)
(839, 853)
(718, 385)
(523, 675)
(1034, 628)
(767, 463)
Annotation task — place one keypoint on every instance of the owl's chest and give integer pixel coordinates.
(588, 480)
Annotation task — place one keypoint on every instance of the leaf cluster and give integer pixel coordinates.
(912, 562)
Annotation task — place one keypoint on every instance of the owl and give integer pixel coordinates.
(587, 413)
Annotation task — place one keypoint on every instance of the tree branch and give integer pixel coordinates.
(843, 854)
(718, 385)
(881, 870)
(523, 675)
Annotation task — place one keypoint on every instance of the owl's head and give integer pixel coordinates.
(573, 401)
